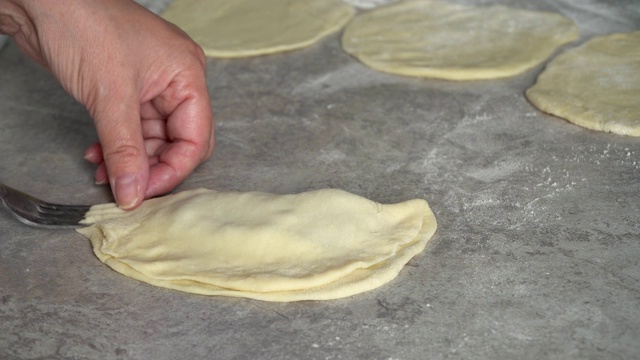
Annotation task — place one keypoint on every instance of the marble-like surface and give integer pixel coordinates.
(537, 254)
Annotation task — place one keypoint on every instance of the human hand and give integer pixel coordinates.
(141, 78)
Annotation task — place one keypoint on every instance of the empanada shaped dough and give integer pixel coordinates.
(316, 245)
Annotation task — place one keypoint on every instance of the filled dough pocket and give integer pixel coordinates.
(243, 244)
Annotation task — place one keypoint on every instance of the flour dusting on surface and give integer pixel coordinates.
(369, 4)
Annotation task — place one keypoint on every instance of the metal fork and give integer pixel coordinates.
(37, 213)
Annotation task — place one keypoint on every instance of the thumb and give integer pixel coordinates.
(118, 126)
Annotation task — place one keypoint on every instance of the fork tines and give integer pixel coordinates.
(38, 213)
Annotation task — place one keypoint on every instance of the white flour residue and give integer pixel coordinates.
(551, 182)
(467, 134)
(619, 155)
(350, 76)
(482, 199)
(602, 155)
(495, 172)
(549, 185)
(597, 17)
(564, 174)
(331, 156)
(368, 4)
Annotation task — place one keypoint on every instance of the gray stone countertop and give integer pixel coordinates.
(537, 254)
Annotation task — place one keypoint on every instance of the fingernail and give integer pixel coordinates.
(101, 178)
(127, 189)
(91, 156)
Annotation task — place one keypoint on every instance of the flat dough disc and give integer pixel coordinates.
(241, 28)
(322, 244)
(596, 85)
(430, 38)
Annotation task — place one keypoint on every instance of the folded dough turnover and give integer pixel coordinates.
(315, 245)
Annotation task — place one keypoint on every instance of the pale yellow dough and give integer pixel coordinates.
(429, 38)
(241, 28)
(317, 245)
(596, 85)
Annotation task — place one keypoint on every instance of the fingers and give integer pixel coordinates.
(191, 135)
(188, 130)
(174, 147)
(102, 177)
(94, 154)
(117, 122)
(142, 80)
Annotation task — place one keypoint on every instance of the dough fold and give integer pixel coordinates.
(321, 244)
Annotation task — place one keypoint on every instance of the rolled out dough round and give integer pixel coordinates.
(241, 28)
(430, 38)
(317, 245)
(596, 85)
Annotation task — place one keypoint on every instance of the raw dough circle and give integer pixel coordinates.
(317, 245)
(430, 38)
(596, 85)
(241, 28)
